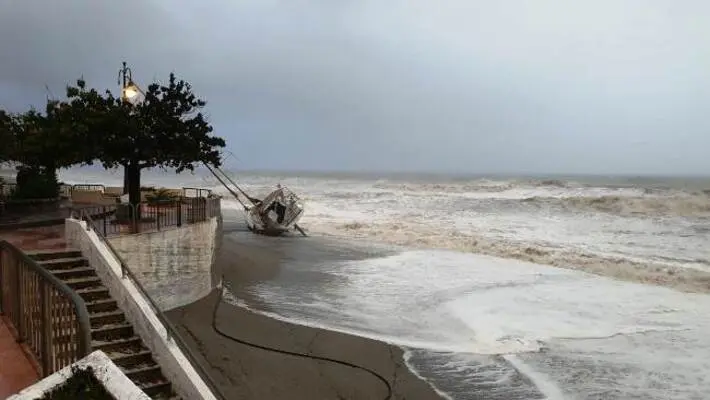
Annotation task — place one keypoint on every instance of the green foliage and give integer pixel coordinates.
(167, 129)
(6, 136)
(161, 195)
(44, 140)
(82, 384)
(36, 183)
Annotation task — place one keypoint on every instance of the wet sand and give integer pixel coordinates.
(244, 372)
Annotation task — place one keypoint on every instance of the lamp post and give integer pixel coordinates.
(129, 90)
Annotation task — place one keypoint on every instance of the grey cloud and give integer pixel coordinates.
(479, 86)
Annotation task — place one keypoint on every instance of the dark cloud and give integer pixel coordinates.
(509, 86)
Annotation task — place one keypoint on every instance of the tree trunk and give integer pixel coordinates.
(133, 172)
(125, 179)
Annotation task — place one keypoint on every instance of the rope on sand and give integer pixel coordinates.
(291, 353)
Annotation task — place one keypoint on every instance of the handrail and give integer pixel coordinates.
(197, 190)
(169, 327)
(80, 310)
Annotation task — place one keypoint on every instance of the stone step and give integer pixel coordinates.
(133, 359)
(102, 305)
(112, 332)
(83, 283)
(143, 373)
(32, 245)
(43, 255)
(106, 318)
(94, 293)
(154, 389)
(128, 345)
(79, 272)
(63, 263)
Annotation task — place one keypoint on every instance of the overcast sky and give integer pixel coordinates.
(558, 86)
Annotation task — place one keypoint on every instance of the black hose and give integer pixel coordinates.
(291, 353)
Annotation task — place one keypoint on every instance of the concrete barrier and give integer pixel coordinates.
(173, 265)
(174, 364)
(105, 371)
(91, 197)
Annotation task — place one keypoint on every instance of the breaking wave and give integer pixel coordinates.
(682, 206)
(674, 274)
(653, 232)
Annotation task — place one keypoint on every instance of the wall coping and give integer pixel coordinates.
(105, 371)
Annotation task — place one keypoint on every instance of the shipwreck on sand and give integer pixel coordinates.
(274, 215)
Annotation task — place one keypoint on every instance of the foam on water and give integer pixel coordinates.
(475, 324)
(646, 234)
(479, 327)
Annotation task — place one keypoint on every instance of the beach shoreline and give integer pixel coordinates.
(245, 372)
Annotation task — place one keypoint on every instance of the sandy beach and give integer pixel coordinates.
(245, 372)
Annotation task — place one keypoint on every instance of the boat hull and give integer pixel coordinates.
(276, 215)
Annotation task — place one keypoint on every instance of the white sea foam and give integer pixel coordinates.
(514, 330)
(643, 234)
(510, 329)
(466, 310)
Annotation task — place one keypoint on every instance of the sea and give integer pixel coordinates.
(500, 287)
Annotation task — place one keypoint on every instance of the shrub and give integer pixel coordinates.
(36, 183)
(161, 195)
(82, 384)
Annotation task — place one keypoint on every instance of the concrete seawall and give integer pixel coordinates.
(174, 265)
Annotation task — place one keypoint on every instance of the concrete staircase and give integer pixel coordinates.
(110, 332)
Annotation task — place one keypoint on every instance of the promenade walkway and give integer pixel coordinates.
(16, 371)
(31, 239)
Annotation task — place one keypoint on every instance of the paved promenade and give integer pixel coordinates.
(16, 371)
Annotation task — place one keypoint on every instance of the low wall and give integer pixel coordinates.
(174, 364)
(109, 374)
(174, 265)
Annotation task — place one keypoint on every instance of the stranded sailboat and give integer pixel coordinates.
(274, 215)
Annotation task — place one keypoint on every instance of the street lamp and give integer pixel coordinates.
(129, 90)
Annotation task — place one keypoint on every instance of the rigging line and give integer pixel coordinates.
(235, 185)
(227, 187)
(234, 157)
(292, 353)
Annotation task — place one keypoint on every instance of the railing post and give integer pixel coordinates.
(134, 217)
(85, 219)
(2, 279)
(179, 212)
(46, 346)
(18, 312)
(105, 217)
(157, 215)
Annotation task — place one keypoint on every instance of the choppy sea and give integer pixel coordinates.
(506, 287)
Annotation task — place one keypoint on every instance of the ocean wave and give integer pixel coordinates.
(550, 182)
(483, 185)
(681, 206)
(412, 235)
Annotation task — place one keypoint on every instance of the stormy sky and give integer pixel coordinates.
(539, 86)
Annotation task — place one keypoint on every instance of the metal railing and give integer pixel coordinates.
(89, 187)
(7, 189)
(43, 311)
(199, 192)
(171, 331)
(153, 216)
